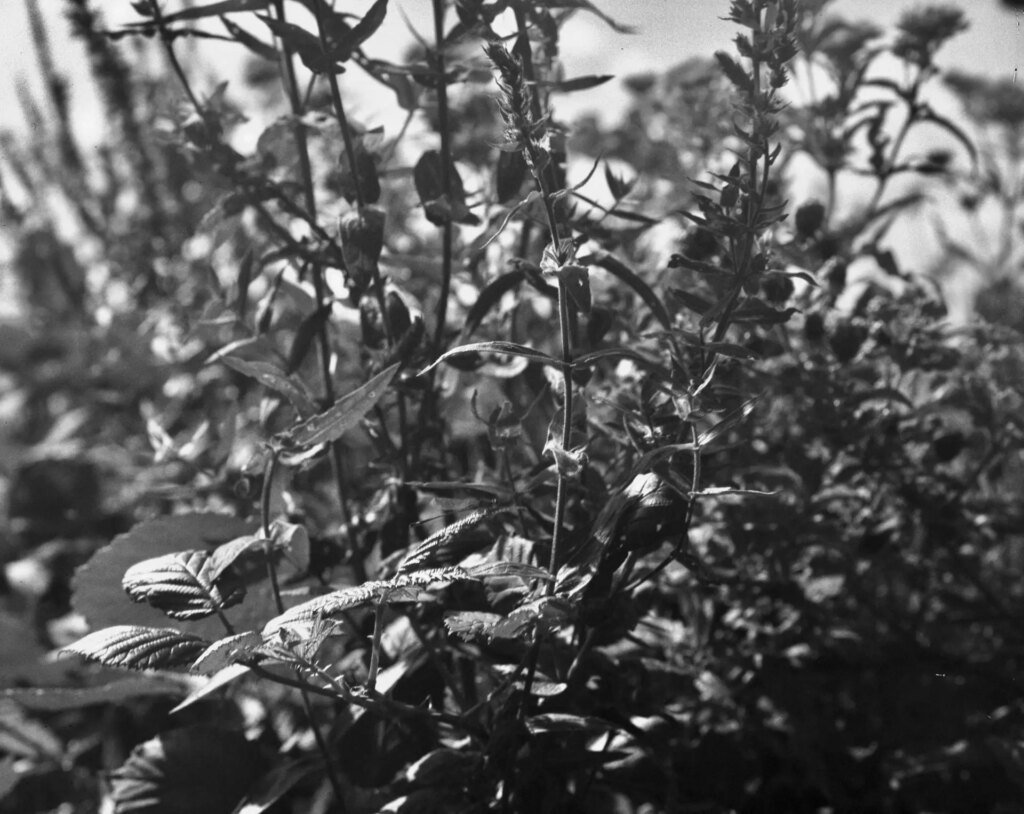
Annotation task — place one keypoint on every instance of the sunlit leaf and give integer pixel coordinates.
(139, 648)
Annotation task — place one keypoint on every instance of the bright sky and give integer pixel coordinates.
(668, 32)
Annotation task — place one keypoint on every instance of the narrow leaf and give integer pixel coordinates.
(346, 413)
(578, 83)
(449, 545)
(271, 376)
(506, 348)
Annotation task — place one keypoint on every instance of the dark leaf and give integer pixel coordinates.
(254, 44)
(490, 297)
(307, 331)
(187, 771)
(512, 171)
(626, 275)
(215, 10)
(579, 83)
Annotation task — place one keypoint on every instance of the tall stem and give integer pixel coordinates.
(319, 286)
(446, 160)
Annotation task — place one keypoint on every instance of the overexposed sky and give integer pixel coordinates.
(668, 32)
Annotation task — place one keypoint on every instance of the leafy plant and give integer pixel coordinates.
(478, 470)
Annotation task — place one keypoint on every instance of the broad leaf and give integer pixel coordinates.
(346, 413)
(139, 648)
(98, 596)
(182, 585)
(187, 771)
(224, 556)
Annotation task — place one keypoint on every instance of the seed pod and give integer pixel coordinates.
(809, 218)
(362, 238)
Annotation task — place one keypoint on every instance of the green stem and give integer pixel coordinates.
(378, 632)
(319, 286)
(446, 160)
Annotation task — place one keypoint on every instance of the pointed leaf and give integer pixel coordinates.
(578, 83)
(402, 588)
(215, 10)
(449, 545)
(506, 348)
(139, 648)
(227, 651)
(180, 585)
(224, 556)
(269, 375)
(97, 592)
(346, 413)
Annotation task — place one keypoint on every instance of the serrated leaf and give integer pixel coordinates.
(181, 585)
(192, 769)
(447, 546)
(504, 348)
(472, 625)
(346, 413)
(402, 588)
(139, 648)
(227, 651)
(96, 588)
(522, 570)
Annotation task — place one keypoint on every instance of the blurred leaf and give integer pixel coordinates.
(26, 737)
(54, 699)
(564, 722)
(269, 375)
(578, 83)
(186, 771)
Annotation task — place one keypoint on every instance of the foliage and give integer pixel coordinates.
(503, 465)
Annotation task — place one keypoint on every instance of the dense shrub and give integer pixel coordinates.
(502, 464)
